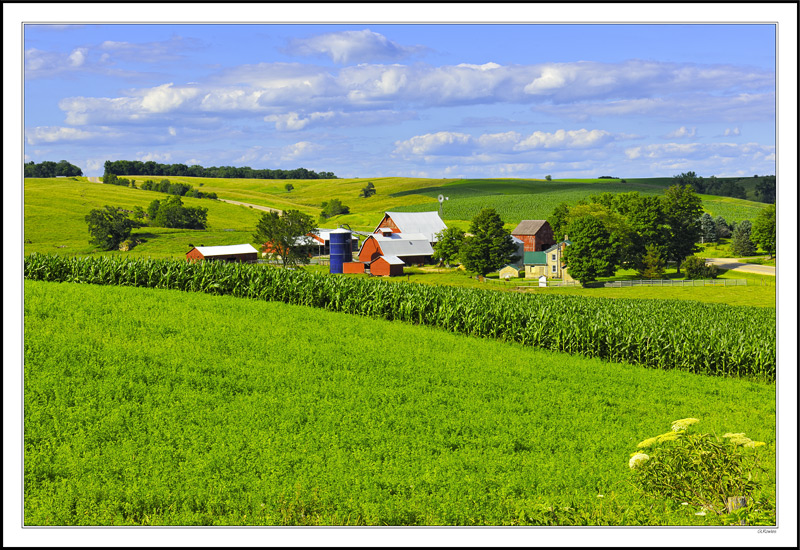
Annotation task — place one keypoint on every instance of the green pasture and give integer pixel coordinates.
(55, 210)
(160, 407)
(308, 195)
(516, 200)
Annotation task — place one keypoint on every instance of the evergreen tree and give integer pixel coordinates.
(490, 247)
(722, 227)
(708, 229)
(741, 244)
(653, 264)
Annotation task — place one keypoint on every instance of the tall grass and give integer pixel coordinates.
(711, 339)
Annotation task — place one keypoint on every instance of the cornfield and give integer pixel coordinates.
(712, 339)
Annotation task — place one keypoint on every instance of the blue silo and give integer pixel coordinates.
(341, 249)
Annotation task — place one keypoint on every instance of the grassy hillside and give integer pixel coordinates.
(55, 211)
(155, 407)
(55, 208)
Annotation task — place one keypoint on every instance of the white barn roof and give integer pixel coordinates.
(404, 244)
(392, 260)
(427, 223)
(226, 250)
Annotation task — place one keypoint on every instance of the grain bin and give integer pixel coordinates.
(341, 249)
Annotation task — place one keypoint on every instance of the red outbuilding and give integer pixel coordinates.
(229, 253)
(386, 266)
(536, 234)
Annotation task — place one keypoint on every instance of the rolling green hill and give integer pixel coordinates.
(55, 208)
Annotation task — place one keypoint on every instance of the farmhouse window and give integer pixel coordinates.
(554, 269)
(553, 256)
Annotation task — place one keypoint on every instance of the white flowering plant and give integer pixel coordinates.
(715, 475)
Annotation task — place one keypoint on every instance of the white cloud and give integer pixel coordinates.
(77, 57)
(435, 144)
(166, 98)
(301, 150)
(682, 132)
(732, 131)
(154, 156)
(54, 134)
(484, 148)
(351, 46)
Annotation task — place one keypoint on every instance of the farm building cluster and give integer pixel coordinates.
(407, 238)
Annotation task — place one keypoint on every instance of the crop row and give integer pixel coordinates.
(712, 339)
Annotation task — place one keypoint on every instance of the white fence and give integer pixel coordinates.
(669, 282)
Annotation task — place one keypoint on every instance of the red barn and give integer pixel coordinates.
(410, 248)
(386, 266)
(229, 253)
(537, 235)
(426, 223)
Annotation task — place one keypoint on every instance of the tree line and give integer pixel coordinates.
(765, 189)
(644, 233)
(151, 168)
(50, 169)
(111, 226)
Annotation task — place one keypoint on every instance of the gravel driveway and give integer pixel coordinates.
(736, 265)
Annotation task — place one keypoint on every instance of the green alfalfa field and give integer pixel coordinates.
(162, 407)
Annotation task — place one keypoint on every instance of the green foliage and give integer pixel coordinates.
(653, 264)
(764, 231)
(558, 219)
(171, 213)
(151, 168)
(695, 267)
(766, 189)
(682, 209)
(283, 236)
(447, 248)
(50, 169)
(548, 177)
(333, 207)
(699, 469)
(180, 189)
(490, 247)
(591, 254)
(288, 187)
(129, 420)
(663, 334)
(109, 227)
(722, 229)
(741, 243)
(368, 190)
(708, 229)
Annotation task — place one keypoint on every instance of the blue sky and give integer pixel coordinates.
(435, 100)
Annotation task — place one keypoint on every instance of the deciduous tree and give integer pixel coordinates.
(682, 210)
(109, 226)
(283, 236)
(447, 248)
(590, 255)
(490, 247)
(764, 230)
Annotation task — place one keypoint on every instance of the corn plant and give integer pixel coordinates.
(711, 339)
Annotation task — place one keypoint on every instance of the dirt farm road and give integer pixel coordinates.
(736, 265)
(255, 206)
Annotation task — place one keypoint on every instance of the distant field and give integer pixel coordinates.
(55, 208)
(156, 407)
(517, 200)
(55, 211)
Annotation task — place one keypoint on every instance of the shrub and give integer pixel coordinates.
(704, 471)
(696, 268)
